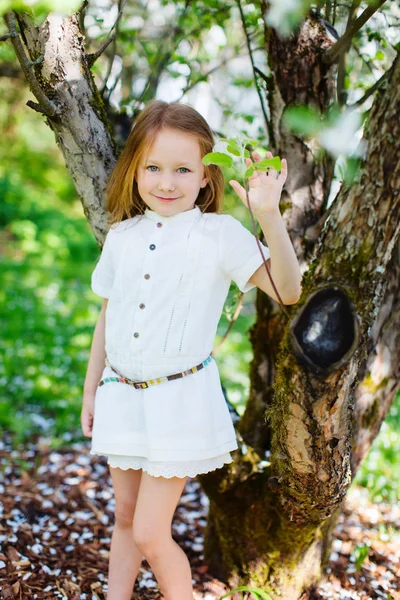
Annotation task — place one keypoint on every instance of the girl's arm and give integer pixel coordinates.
(283, 264)
(97, 355)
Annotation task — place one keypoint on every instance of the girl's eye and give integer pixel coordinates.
(154, 166)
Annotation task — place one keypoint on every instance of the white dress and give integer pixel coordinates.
(166, 280)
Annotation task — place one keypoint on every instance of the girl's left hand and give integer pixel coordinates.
(265, 187)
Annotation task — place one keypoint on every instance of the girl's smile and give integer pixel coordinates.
(166, 199)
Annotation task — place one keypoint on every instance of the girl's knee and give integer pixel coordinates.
(124, 512)
(126, 488)
(148, 539)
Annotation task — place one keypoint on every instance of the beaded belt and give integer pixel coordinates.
(145, 384)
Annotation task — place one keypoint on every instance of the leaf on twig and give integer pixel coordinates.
(217, 158)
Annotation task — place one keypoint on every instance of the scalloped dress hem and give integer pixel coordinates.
(167, 469)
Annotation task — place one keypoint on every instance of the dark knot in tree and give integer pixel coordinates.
(324, 333)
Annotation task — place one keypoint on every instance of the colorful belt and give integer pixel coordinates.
(145, 384)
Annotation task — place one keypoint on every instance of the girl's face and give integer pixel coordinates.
(170, 177)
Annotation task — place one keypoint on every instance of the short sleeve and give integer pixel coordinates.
(103, 274)
(239, 253)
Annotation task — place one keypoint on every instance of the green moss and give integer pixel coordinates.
(97, 104)
(373, 387)
(255, 542)
(285, 206)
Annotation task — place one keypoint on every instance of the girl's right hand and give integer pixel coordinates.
(87, 414)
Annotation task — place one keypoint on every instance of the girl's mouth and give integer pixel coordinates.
(166, 199)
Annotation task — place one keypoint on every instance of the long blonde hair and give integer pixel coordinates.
(123, 199)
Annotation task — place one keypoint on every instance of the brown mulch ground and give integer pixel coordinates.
(56, 519)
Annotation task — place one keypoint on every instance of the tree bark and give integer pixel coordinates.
(299, 77)
(81, 128)
(315, 412)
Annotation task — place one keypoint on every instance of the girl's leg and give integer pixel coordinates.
(156, 504)
(125, 558)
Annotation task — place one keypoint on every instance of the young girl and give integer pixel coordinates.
(156, 409)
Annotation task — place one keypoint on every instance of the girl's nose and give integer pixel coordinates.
(166, 183)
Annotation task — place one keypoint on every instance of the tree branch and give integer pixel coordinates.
(191, 85)
(330, 55)
(45, 105)
(7, 36)
(367, 63)
(264, 111)
(91, 58)
(261, 74)
(371, 90)
(161, 60)
(340, 88)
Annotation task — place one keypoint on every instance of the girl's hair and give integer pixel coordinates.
(123, 199)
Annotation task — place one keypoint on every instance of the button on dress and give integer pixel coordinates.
(167, 279)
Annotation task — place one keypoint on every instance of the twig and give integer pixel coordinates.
(207, 74)
(8, 35)
(91, 58)
(267, 123)
(330, 55)
(341, 92)
(161, 61)
(232, 322)
(371, 90)
(366, 62)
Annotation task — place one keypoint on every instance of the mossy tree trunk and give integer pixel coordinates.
(321, 384)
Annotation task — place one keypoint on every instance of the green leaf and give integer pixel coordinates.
(352, 167)
(246, 117)
(234, 149)
(252, 142)
(332, 115)
(266, 163)
(217, 158)
(243, 588)
(250, 171)
(303, 120)
(360, 553)
(262, 593)
(246, 153)
(40, 8)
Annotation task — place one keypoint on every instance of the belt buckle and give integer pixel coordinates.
(141, 385)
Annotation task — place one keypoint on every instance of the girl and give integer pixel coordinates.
(156, 409)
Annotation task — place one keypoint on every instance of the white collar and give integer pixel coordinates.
(185, 215)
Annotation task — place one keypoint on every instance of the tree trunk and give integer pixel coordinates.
(321, 384)
(300, 77)
(81, 128)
